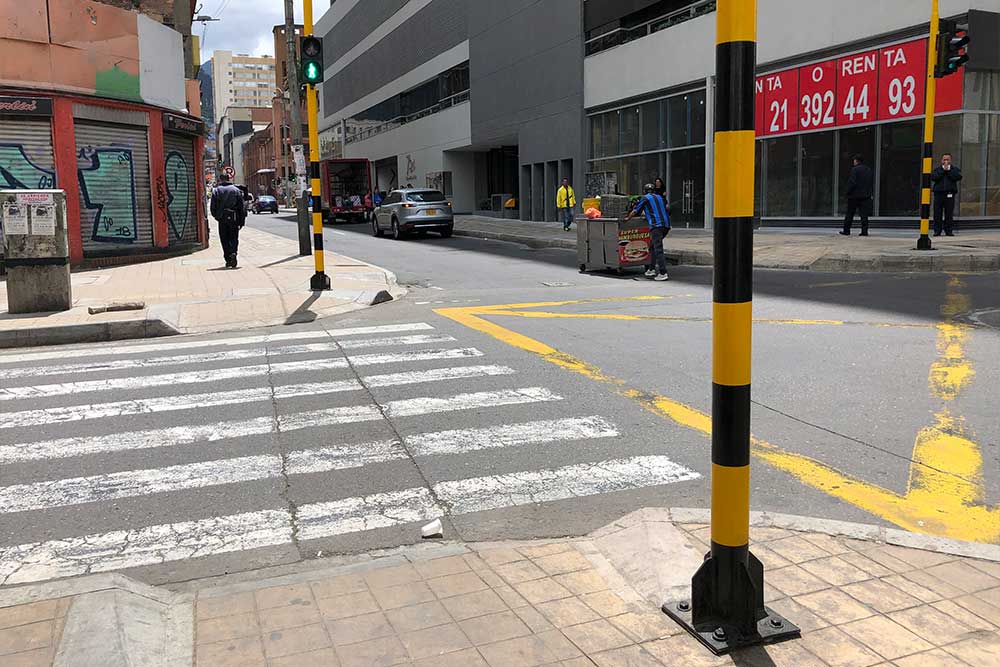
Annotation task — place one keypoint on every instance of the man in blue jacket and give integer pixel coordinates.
(654, 207)
(945, 178)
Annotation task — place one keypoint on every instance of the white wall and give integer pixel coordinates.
(161, 63)
(786, 28)
(422, 145)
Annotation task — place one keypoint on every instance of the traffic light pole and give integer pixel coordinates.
(726, 610)
(320, 281)
(295, 109)
(930, 103)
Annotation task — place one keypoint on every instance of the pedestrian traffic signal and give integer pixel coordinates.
(951, 49)
(312, 59)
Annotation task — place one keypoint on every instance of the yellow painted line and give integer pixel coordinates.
(543, 315)
(840, 284)
(930, 505)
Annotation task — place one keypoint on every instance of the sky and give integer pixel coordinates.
(245, 25)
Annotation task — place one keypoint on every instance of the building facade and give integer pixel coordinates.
(97, 108)
(241, 81)
(509, 97)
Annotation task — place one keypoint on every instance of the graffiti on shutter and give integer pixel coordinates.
(26, 160)
(107, 185)
(180, 196)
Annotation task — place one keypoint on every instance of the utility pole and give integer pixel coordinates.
(312, 69)
(930, 101)
(295, 108)
(726, 610)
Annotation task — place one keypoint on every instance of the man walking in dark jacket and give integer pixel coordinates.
(230, 210)
(860, 186)
(945, 178)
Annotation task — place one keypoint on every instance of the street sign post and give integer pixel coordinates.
(312, 56)
(726, 610)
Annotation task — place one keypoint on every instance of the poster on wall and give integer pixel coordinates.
(15, 218)
(43, 220)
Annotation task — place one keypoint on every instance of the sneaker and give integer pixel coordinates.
(662, 277)
(651, 273)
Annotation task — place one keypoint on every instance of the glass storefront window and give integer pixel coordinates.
(993, 168)
(612, 138)
(817, 174)
(972, 190)
(853, 141)
(596, 136)
(630, 130)
(982, 91)
(698, 116)
(899, 185)
(650, 168)
(782, 176)
(628, 179)
(678, 125)
(651, 127)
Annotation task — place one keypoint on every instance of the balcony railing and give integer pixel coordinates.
(619, 36)
(385, 126)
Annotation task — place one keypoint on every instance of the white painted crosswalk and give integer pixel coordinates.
(183, 445)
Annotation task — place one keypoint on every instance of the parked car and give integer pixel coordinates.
(406, 211)
(265, 204)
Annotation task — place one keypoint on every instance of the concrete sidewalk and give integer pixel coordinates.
(812, 250)
(195, 294)
(861, 595)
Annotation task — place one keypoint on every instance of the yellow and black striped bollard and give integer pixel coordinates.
(726, 610)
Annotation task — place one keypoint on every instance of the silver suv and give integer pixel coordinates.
(403, 212)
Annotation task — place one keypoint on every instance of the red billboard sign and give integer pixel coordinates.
(902, 80)
(878, 85)
(818, 96)
(781, 97)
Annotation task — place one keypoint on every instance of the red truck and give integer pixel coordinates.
(345, 182)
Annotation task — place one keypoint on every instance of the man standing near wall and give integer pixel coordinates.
(945, 178)
(860, 186)
(565, 202)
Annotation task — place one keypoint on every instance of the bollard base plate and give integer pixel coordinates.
(771, 629)
(319, 281)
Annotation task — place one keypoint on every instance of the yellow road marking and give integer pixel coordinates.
(543, 315)
(943, 492)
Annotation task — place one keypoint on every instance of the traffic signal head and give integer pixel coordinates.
(951, 48)
(312, 59)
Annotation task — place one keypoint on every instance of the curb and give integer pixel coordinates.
(857, 531)
(831, 263)
(96, 332)
(530, 241)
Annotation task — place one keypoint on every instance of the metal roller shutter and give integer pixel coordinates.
(116, 208)
(182, 213)
(26, 160)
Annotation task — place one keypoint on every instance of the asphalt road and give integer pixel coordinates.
(578, 399)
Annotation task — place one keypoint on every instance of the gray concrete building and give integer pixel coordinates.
(509, 96)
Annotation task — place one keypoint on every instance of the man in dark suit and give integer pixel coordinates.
(945, 178)
(860, 186)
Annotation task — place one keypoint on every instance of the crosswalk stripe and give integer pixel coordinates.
(222, 355)
(131, 483)
(509, 435)
(426, 444)
(236, 372)
(165, 543)
(117, 350)
(71, 413)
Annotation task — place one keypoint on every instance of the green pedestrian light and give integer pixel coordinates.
(952, 49)
(312, 60)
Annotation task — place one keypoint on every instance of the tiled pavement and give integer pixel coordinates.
(858, 604)
(192, 293)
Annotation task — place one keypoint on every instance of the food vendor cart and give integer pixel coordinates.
(611, 243)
